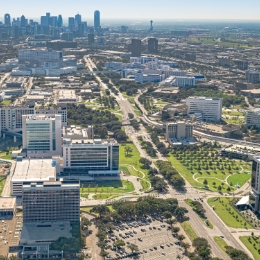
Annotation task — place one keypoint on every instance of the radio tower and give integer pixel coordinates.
(151, 27)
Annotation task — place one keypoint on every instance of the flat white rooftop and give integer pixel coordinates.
(34, 170)
(7, 203)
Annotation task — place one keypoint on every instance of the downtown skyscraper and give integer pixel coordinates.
(96, 20)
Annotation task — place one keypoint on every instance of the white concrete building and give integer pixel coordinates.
(42, 135)
(11, 117)
(31, 171)
(252, 117)
(150, 77)
(83, 154)
(210, 108)
(180, 81)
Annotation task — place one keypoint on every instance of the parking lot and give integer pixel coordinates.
(153, 238)
(10, 231)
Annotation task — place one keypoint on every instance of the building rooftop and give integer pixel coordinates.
(242, 149)
(7, 203)
(51, 185)
(204, 98)
(46, 232)
(34, 170)
(253, 91)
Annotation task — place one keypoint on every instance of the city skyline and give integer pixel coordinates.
(187, 10)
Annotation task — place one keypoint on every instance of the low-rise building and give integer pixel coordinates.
(240, 151)
(254, 93)
(7, 207)
(252, 117)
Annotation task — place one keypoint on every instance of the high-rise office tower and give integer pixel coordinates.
(136, 47)
(44, 21)
(71, 23)
(96, 20)
(54, 201)
(23, 21)
(7, 20)
(53, 21)
(77, 20)
(91, 38)
(153, 45)
(16, 32)
(60, 21)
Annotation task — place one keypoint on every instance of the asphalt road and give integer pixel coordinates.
(199, 227)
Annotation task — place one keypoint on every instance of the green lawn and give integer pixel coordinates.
(239, 179)
(232, 218)
(6, 102)
(6, 157)
(104, 196)
(234, 121)
(221, 243)
(189, 230)
(108, 187)
(250, 246)
(133, 160)
(232, 113)
(195, 168)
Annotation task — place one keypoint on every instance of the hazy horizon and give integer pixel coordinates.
(165, 10)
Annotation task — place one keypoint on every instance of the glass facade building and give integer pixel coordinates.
(42, 135)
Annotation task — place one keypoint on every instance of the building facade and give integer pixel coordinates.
(96, 20)
(253, 76)
(210, 108)
(42, 135)
(136, 47)
(90, 155)
(179, 130)
(11, 117)
(153, 45)
(252, 117)
(56, 201)
(254, 195)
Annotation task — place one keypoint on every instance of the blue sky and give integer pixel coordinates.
(136, 9)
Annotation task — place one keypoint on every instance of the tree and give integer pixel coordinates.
(167, 214)
(171, 222)
(205, 182)
(185, 246)
(180, 213)
(119, 243)
(100, 209)
(237, 254)
(146, 163)
(131, 116)
(104, 253)
(128, 150)
(133, 248)
(219, 188)
(181, 237)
